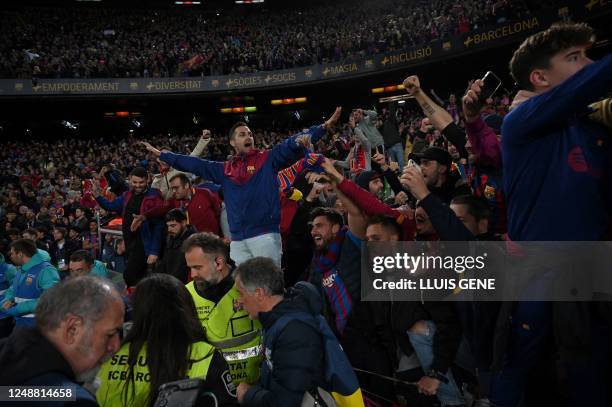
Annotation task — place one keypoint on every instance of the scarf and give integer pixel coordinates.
(336, 293)
(311, 162)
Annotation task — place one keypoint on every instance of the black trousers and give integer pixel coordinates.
(372, 357)
(6, 326)
(136, 267)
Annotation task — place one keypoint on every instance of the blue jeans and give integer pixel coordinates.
(396, 153)
(268, 245)
(448, 393)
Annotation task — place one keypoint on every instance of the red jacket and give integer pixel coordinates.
(371, 206)
(203, 210)
(288, 210)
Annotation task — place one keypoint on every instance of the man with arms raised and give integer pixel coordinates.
(250, 185)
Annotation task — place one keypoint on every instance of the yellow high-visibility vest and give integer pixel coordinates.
(113, 375)
(233, 332)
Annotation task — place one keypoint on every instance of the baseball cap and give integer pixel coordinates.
(434, 154)
(364, 178)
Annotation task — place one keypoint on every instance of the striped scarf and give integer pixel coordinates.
(336, 293)
(312, 162)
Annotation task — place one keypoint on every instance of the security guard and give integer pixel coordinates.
(166, 343)
(35, 275)
(114, 374)
(227, 326)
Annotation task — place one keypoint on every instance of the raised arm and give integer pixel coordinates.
(438, 116)
(116, 205)
(291, 150)
(202, 143)
(363, 199)
(483, 139)
(536, 116)
(208, 170)
(356, 219)
(389, 175)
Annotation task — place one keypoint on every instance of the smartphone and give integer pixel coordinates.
(491, 83)
(412, 163)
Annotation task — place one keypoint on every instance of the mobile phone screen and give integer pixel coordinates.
(491, 84)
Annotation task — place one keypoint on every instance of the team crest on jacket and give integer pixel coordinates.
(489, 192)
(251, 169)
(29, 280)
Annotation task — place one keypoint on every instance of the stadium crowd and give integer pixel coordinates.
(102, 42)
(258, 230)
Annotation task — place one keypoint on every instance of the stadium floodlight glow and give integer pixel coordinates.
(122, 114)
(187, 3)
(239, 109)
(288, 101)
(70, 126)
(386, 89)
(248, 1)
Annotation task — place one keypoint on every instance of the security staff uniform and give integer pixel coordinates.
(230, 329)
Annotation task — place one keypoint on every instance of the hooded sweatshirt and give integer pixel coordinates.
(47, 278)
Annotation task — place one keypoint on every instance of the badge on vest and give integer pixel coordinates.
(489, 192)
(230, 387)
(29, 280)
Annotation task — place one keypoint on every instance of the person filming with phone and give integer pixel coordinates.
(433, 166)
(478, 144)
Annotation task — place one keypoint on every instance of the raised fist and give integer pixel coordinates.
(412, 84)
